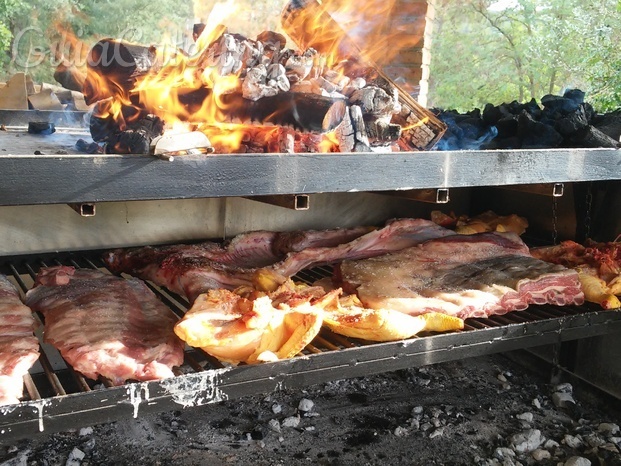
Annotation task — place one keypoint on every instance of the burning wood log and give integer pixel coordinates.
(269, 85)
(69, 77)
(422, 129)
(113, 67)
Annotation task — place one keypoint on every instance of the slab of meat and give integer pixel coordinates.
(597, 264)
(396, 235)
(106, 325)
(190, 270)
(463, 276)
(19, 348)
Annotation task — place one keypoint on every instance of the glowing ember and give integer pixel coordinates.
(255, 94)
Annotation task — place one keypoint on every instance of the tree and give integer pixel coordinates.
(491, 51)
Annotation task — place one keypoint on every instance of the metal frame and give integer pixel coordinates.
(54, 179)
(214, 385)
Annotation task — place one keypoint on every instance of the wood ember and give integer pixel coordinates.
(446, 413)
(134, 137)
(277, 86)
(351, 133)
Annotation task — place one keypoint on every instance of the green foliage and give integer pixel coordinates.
(35, 34)
(490, 51)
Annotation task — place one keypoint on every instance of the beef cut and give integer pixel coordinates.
(463, 276)
(190, 270)
(19, 348)
(106, 325)
(396, 235)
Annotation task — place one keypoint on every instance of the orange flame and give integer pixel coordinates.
(187, 88)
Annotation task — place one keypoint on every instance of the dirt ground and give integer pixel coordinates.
(479, 411)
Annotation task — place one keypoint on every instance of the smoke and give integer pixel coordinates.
(464, 132)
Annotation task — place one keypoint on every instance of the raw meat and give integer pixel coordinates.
(106, 325)
(19, 348)
(598, 266)
(190, 270)
(396, 235)
(463, 276)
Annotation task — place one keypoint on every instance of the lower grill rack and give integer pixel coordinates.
(57, 397)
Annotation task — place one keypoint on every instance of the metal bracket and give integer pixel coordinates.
(289, 201)
(432, 196)
(553, 190)
(84, 209)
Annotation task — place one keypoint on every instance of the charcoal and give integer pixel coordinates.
(87, 147)
(593, 137)
(572, 123)
(609, 123)
(41, 127)
(508, 143)
(507, 126)
(537, 135)
(491, 114)
(568, 103)
(533, 109)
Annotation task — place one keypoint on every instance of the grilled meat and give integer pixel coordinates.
(106, 325)
(19, 348)
(598, 265)
(463, 276)
(190, 270)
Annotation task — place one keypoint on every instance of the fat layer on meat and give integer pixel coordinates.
(19, 348)
(106, 325)
(190, 270)
(463, 276)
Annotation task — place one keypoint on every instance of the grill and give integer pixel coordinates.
(145, 200)
(57, 396)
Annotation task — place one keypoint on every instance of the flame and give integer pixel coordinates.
(418, 124)
(342, 29)
(189, 89)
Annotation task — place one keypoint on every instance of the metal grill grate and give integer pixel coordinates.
(58, 397)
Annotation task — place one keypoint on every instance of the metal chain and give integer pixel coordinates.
(554, 220)
(587, 213)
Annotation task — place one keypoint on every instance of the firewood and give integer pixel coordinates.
(69, 77)
(303, 112)
(113, 67)
(14, 96)
(299, 20)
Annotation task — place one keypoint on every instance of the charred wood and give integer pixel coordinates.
(134, 137)
(351, 132)
(593, 137)
(303, 112)
(69, 77)
(381, 132)
(113, 67)
(609, 123)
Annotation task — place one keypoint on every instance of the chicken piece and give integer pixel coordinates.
(490, 221)
(251, 326)
(351, 319)
(596, 291)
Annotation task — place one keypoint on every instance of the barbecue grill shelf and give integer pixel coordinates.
(57, 397)
(79, 178)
